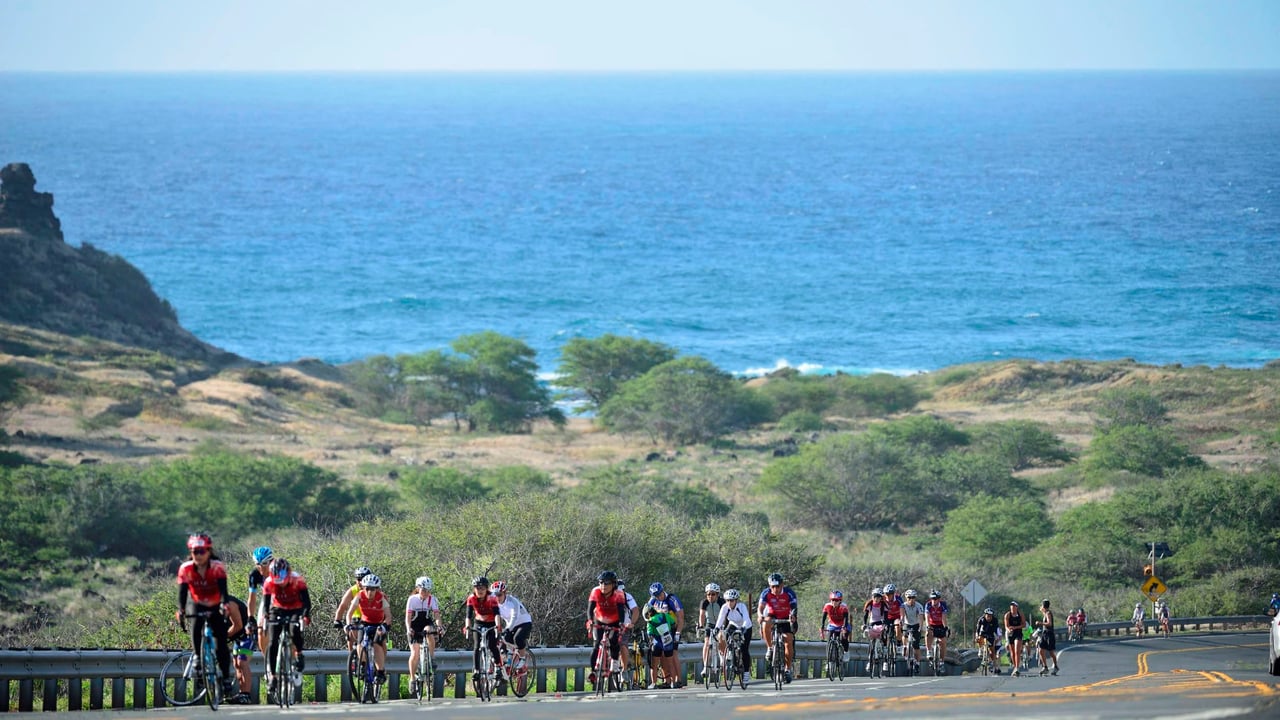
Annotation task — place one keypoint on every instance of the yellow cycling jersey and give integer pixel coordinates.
(355, 590)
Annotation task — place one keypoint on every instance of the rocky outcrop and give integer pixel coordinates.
(47, 284)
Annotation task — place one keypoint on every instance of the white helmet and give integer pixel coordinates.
(890, 588)
(731, 594)
(371, 581)
(712, 588)
(424, 583)
(911, 593)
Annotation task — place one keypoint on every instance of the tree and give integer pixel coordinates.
(1139, 449)
(504, 392)
(921, 432)
(13, 394)
(986, 528)
(1129, 406)
(847, 482)
(599, 366)
(688, 400)
(1021, 443)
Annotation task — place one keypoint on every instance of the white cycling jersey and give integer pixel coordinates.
(739, 616)
(912, 614)
(418, 604)
(513, 612)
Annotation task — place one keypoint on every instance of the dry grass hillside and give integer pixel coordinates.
(94, 401)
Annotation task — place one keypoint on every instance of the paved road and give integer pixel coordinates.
(1202, 677)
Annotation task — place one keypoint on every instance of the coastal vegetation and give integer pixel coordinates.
(1039, 479)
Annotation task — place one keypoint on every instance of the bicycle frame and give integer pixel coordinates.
(605, 680)
(485, 678)
(284, 661)
(732, 654)
(212, 671)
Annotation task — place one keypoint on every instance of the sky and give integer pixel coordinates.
(636, 35)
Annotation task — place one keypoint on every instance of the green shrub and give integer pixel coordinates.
(802, 421)
(1139, 449)
(985, 528)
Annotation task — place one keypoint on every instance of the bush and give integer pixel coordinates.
(684, 401)
(1139, 449)
(1021, 444)
(986, 528)
(802, 421)
(1129, 406)
(599, 366)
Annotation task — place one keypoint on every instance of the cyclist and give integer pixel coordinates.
(776, 612)
(1139, 619)
(202, 588)
(1073, 623)
(986, 633)
(262, 558)
(935, 613)
(286, 595)
(1014, 624)
(516, 621)
(482, 615)
(736, 614)
(1162, 614)
(349, 597)
(912, 617)
(242, 634)
(421, 613)
(1048, 639)
(1274, 608)
(873, 616)
(633, 612)
(707, 614)
(606, 608)
(835, 619)
(662, 633)
(893, 611)
(657, 594)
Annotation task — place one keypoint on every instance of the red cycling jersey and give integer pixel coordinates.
(285, 594)
(777, 605)
(202, 589)
(611, 608)
(371, 607)
(892, 607)
(836, 614)
(485, 608)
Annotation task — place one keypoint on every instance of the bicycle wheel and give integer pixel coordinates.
(355, 676)
(284, 669)
(602, 662)
(209, 667)
(180, 672)
(779, 661)
(730, 671)
(840, 664)
(524, 673)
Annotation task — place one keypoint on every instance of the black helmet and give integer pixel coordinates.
(480, 581)
(775, 578)
(608, 576)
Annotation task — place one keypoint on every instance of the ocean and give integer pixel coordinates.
(827, 221)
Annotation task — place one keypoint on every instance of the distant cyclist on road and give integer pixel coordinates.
(777, 613)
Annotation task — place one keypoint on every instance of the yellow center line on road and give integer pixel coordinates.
(1180, 680)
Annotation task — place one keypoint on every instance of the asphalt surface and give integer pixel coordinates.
(1186, 677)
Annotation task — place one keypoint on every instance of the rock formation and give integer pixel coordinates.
(47, 284)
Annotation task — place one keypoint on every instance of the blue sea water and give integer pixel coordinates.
(836, 221)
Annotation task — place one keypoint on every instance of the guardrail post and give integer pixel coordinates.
(322, 688)
(562, 679)
(139, 693)
(393, 686)
(117, 693)
(4, 694)
(541, 686)
(579, 680)
(26, 690)
(50, 692)
(95, 693)
(75, 694)
(459, 685)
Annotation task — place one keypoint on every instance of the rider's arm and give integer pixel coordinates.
(182, 598)
(306, 602)
(344, 607)
(222, 589)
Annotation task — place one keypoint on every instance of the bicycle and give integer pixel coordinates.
(1166, 628)
(1075, 632)
(485, 680)
(360, 666)
(286, 685)
(934, 657)
(778, 661)
(835, 657)
(202, 671)
(636, 674)
(711, 650)
(733, 652)
(985, 652)
(606, 679)
(522, 668)
(425, 685)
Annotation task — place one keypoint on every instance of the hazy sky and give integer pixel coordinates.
(176, 35)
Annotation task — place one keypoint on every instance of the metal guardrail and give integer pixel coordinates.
(128, 678)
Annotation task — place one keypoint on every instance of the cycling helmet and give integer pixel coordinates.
(890, 588)
(877, 594)
(877, 591)
(199, 540)
(279, 568)
(361, 572)
(1137, 605)
(608, 576)
(370, 581)
(661, 606)
(424, 583)
(836, 595)
(479, 581)
(498, 587)
(775, 578)
(622, 586)
(1044, 602)
(911, 593)
(656, 588)
(731, 594)
(988, 611)
(933, 595)
(261, 555)
(712, 588)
